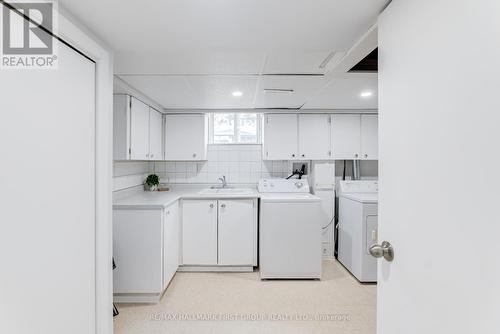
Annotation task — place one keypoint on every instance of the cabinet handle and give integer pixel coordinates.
(223, 205)
(303, 155)
(329, 153)
(356, 155)
(211, 206)
(152, 155)
(293, 155)
(168, 212)
(366, 155)
(194, 155)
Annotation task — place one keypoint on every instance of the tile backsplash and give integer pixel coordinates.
(239, 163)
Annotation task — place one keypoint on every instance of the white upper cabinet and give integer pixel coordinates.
(186, 137)
(314, 136)
(155, 134)
(355, 137)
(137, 130)
(346, 136)
(369, 137)
(280, 137)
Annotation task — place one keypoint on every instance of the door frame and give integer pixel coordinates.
(86, 42)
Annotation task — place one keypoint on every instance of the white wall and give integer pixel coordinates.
(239, 163)
(128, 174)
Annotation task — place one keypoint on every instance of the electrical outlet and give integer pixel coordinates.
(326, 251)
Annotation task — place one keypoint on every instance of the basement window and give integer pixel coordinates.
(235, 128)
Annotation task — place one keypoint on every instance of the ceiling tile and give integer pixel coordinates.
(303, 87)
(196, 92)
(344, 92)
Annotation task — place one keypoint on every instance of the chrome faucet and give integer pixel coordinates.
(223, 180)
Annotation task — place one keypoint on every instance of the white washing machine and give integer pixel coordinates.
(358, 228)
(289, 230)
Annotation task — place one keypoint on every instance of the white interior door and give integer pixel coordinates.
(47, 196)
(139, 130)
(155, 134)
(314, 136)
(280, 137)
(439, 167)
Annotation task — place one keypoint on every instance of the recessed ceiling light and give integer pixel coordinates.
(366, 93)
(237, 93)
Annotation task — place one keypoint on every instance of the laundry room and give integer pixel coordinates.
(249, 166)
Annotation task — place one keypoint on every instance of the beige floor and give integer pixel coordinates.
(218, 296)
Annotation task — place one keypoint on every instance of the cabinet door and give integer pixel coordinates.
(346, 136)
(280, 137)
(199, 232)
(237, 240)
(139, 130)
(137, 250)
(369, 137)
(155, 134)
(170, 243)
(314, 136)
(186, 137)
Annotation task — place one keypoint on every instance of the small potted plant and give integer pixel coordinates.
(152, 182)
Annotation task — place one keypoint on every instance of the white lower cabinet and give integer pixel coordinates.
(170, 242)
(199, 232)
(146, 252)
(236, 240)
(219, 232)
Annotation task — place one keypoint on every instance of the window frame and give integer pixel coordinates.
(211, 123)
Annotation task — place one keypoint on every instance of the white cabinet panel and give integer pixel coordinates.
(137, 250)
(236, 237)
(155, 134)
(314, 136)
(139, 130)
(280, 137)
(170, 243)
(369, 137)
(186, 137)
(199, 232)
(346, 136)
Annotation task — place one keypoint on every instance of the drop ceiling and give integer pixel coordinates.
(193, 54)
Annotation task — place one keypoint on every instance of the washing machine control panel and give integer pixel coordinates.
(279, 185)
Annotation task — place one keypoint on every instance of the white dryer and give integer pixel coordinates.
(289, 230)
(358, 228)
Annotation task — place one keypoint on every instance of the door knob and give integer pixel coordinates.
(384, 250)
(211, 206)
(223, 205)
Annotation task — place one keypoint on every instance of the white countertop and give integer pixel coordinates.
(148, 200)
